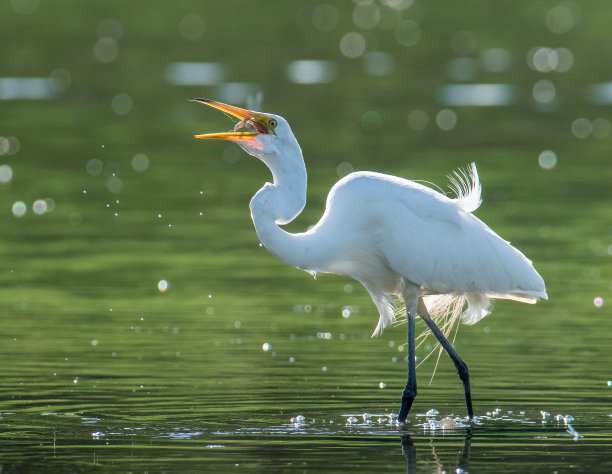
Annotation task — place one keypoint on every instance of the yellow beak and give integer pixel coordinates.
(247, 117)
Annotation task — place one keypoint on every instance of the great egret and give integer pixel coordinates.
(396, 237)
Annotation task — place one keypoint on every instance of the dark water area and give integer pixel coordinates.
(144, 329)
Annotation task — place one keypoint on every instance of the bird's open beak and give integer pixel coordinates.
(254, 122)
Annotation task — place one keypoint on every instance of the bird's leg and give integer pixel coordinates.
(462, 368)
(411, 295)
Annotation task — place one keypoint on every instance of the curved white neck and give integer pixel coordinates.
(279, 203)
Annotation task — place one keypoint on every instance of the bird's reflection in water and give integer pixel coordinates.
(409, 450)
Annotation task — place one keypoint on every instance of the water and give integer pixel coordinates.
(238, 362)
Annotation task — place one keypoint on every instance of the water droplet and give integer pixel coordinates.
(162, 285)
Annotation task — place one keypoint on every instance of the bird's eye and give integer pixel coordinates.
(272, 123)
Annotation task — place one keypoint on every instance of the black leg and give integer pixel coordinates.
(410, 293)
(410, 391)
(462, 368)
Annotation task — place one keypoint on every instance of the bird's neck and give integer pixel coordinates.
(280, 202)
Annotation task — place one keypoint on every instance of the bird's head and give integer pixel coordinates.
(257, 133)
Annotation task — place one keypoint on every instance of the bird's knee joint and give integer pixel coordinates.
(463, 373)
(409, 393)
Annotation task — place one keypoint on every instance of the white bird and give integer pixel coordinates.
(398, 238)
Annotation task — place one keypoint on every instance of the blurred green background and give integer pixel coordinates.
(104, 194)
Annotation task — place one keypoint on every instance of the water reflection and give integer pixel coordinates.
(409, 450)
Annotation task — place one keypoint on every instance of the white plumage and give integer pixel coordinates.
(398, 238)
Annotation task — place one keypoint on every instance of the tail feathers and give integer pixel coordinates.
(466, 186)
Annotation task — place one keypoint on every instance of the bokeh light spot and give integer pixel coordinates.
(547, 160)
(140, 162)
(6, 174)
(94, 167)
(544, 91)
(560, 19)
(398, 4)
(344, 168)
(310, 71)
(9, 145)
(122, 104)
(407, 33)
(106, 50)
(19, 209)
(371, 120)
(366, 15)
(378, 63)
(581, 128)
(352, 45)
(114, 184)
(446, 119)
(325, 17)
(39, 207)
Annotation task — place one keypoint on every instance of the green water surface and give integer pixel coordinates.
(244, 364)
